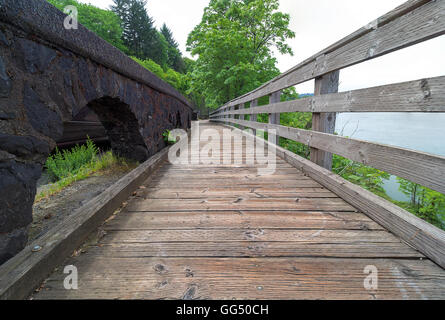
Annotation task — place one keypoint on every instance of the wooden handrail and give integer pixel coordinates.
(409, 24)
(420, 167)
(413, 22)
(420, 234)
(425, 95)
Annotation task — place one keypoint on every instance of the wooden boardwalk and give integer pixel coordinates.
(224, 232)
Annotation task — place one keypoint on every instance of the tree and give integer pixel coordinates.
(175, 79)
(159, 50)
(189, 64)
(368, 178)
(234, 43)
(424, 203)
(414, 191)
(139, 33)
(169, 36)
(104, 23)
(174, 56)
(138, 30)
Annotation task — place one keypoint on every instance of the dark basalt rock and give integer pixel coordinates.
(7, 115)
(17, 192)
(4, 40)
(12, 242)
(47, 76)
(5, 81)
(43, 119)
(34, 57)
(23, 146)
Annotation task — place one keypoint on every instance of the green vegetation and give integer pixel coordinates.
(234, 43)
(368, 178)
(175, 79)
(68, 166)
(168, 138)
(128, 27)
(424, 203)
(106, 24)
(174, 58)
(139, 34)
(69, 162)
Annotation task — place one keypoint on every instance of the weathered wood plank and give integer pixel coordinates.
(224, 176)
(253, 117)
(425, 95)
(425, 237)
(241, 219)
(241, 117)
(251, 249)
(250, 278)
(234, 166)
(170, 170)
(21, 274)
(74, 131)
(296, 237)
(324, 122)
(274, 118)
(215, 193)
(211, 204)
(243, 183)
(388, 17)
(422, 168)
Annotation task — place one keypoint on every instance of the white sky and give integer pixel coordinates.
(318, 24)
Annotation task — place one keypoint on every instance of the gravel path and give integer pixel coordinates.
(49, 212)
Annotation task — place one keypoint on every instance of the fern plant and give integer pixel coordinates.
(68, 162)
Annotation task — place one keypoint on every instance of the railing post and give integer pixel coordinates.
(241, 116)
(228, 116)
(274, 118)
(324, 122)
(254, 117)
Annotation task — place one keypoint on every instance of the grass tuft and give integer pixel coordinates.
(66, 167)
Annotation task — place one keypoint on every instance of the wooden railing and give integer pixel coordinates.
(411, 23)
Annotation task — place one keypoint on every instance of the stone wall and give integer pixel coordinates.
(43, 84)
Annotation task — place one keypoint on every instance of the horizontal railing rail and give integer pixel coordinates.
(411, 23)
(422, 168)
(425, 95)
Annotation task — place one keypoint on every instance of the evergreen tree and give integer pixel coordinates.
(174, 56)
(169, 36)
(159, 50)
(139, 34)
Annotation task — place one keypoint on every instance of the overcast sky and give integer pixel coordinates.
(317, 24)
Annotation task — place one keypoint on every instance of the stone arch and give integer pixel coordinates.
(122, 128)
(42, 86)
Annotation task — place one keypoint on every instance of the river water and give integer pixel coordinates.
(417, 131)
